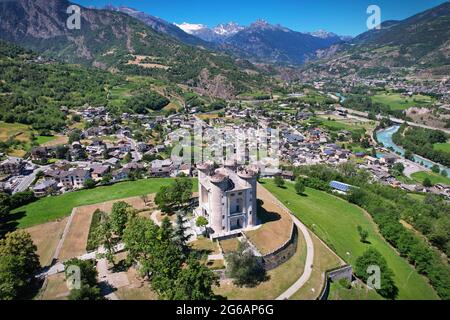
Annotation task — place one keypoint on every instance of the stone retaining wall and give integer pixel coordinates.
(283, 253)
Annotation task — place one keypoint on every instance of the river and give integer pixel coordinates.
(384, 136)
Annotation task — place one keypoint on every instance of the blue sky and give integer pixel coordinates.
(345, 17)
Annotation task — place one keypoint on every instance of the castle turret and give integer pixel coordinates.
(250, 174)
(218, 185)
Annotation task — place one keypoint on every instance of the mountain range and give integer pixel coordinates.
(418, 45)
(261, 41)
(120, 43)
(228, 59)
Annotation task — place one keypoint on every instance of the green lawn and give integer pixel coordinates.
(445, 147)
(335, 221)
(336, 125)
(397, 102)
(52, 208)
(435, 178)
(44, 139)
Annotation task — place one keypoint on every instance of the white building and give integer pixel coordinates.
(227, 198)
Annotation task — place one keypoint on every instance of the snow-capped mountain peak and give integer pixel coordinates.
(191, 28)
(323, 34)
(228, 29)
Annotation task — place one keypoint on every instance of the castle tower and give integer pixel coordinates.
(218, 185)
(250, 174)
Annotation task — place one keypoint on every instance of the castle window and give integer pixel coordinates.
(240, 193)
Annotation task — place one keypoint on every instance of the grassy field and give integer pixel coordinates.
(338, 125)
(397, 102)
(52, 208)
(445, 147)
(324, 260)
(45, 139)
(418, 197)
(335, 221)
(24, 134)
(434, 178)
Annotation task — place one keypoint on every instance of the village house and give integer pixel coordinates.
(40, 155)
(12, 166)
(99, 171)
(45, 188)
(161, 168)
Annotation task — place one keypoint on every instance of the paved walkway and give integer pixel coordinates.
(59, 267)
(308, 263)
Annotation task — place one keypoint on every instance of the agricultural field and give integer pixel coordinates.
(25, 137)
(335, 221)
(351, 125)
(52, 208)
(398, 102)
(435, 178)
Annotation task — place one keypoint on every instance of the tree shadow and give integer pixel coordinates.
(106, 288)
(264, 216)
(121, 266)
(9, 222)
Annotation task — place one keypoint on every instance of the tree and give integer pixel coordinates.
(300, 186)
(75, 135)
(163, 199)
(22, 198)
(175, 196)
(427, 183)
(279, 181)
(5, 204)
(181, 235)
(444, 173)
(435, 168)
(202, 222)
(104, 236)
(86, 292)
(370, 258)
(409, 155)
(18, 265)
(107, 178)
(166, 260)
(61, 152)
(119, 217)
(363, 234)
(398, 169)
(89, 183)
(244, 267)
(194, 282)
(139, 237)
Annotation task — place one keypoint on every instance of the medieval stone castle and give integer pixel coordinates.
(227, 197)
